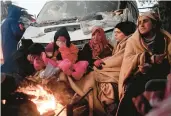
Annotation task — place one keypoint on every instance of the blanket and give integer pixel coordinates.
(134, 56)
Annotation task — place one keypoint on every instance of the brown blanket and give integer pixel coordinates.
(134, 56)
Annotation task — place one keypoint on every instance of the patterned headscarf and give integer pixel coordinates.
(151, 15)
(98, 43)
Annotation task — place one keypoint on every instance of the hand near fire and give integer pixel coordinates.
(49, 71)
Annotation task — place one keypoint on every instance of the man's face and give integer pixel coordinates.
(144, 25)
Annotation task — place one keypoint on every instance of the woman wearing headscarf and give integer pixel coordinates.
(108, 77)
(97, 48)
(147, 56)
(104, 81)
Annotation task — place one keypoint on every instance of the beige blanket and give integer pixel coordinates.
(135, 55)
(100, 81)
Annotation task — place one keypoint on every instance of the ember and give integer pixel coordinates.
(44, 100)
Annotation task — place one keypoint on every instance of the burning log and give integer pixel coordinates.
(51, 98)
(44, 100)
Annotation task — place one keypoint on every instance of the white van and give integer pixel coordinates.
(79, 17)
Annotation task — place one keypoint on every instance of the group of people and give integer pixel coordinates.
(118, 75)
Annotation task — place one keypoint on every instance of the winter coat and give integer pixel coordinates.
(86, 54)
(136, 54)
(69, 53)
(11, 34)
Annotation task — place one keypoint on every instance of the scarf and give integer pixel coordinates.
(98, 42)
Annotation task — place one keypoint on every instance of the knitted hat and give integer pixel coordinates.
(126, 27)
(36, 49)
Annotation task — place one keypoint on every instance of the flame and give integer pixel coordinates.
(44, 100)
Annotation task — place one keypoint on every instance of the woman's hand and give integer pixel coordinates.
(60, 44)
(98, 64)
(158, 59)
(144, 68)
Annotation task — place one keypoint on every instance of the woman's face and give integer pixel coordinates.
(61, 41)
(96, 35)
(144, 25)
(119, 35)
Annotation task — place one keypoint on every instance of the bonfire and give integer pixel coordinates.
(43, 98)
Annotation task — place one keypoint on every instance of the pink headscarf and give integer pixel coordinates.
(98, 43)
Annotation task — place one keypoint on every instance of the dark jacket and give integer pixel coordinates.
(25, 68)
(86, 54)
(11, 34)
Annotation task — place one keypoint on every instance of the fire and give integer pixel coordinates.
(44, 100)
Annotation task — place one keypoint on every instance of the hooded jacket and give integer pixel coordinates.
(11, 34)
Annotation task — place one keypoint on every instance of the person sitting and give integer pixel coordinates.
(108, 77)
(147, 56)
(66, 58)
(104, 80)
(20, 57)
(96, 49)
(67, 55)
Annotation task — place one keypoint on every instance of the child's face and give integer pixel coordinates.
(30, 58)
(61, 41)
